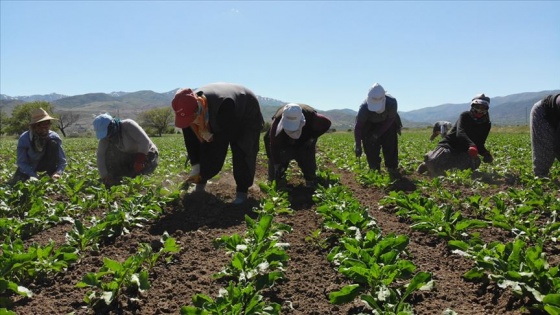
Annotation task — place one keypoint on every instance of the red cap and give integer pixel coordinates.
(185, 106)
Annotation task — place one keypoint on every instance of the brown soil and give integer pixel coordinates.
(202, 217)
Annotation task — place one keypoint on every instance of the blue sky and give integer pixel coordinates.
(323, 53)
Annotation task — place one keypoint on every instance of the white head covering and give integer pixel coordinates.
(292, 121)
(376, 98)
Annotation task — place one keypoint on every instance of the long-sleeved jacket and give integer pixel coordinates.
(132, 139)
(315, 126)
(232, 108)
(28, 159)
(468, 132)
(372, 123)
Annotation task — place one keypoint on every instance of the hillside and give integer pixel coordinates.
(504, 110)
(131, 104)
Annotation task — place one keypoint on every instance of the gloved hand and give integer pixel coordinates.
(358, 151)
(488, 158)
(473, 151)
(194, 175)
(108, 180)
(280, 176)
(139, 162)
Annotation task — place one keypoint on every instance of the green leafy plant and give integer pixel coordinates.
(258, 257)
(132, 274)
(524, 270)
(232, 300)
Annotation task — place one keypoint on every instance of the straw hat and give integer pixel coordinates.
(38, 115)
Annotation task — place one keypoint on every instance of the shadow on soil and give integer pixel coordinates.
(203, 209)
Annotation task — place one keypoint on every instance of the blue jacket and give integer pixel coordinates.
(28, 159)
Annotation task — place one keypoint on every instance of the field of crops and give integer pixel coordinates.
(483, 242)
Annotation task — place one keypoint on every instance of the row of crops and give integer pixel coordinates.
(455, 208)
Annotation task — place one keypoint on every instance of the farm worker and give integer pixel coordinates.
(293, 135)
(212, 118)
(440, 128)
(377, 127)
(39, 149)
(545, 134)
(124, 149)
(461, 147)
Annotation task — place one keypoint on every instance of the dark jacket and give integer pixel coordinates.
(370, 123)
(552, 111)
(468, 132)
(231, 107)
(315, 126)
(552, 115)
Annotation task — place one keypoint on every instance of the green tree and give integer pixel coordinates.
(21, 116)
(3, 119)
(158, 119)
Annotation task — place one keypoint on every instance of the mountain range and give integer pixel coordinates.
(504, 110)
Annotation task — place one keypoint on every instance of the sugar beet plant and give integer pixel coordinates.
(132, 274)
(381, 278)
(524, 270)
(30, 207)
(258, 262)
(459, 205)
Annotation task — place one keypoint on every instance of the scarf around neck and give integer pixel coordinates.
(481, 120)
(201, 124)
(114, 133)
(38, 143)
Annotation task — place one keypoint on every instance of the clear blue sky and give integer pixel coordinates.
(323, 53)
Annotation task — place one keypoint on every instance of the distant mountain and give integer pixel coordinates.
(123, 104)
(504, 110)
(33, 98)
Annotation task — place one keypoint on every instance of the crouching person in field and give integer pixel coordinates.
(545, 134)
(461, 147)
(214, 117)
(378, 125)
(293, 136)
(124, 149)
(39, 149)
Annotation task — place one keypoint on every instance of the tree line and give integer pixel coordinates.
(156, 121)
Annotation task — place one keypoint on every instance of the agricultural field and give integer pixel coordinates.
(482, 242)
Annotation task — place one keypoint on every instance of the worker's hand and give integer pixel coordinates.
(358, 151)
(473, 151)
(194, 175)
(55, 176)
(108, 180)
(194, 179)
(139, 162)
(488, 158)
